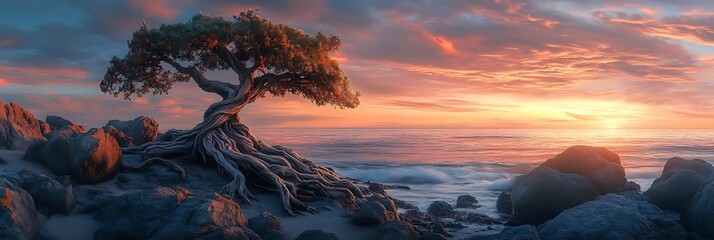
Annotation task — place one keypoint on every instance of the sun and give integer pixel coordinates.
(612, 123)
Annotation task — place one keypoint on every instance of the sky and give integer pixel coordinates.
(417, 63)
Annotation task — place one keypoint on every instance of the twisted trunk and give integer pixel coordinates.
(222, 138)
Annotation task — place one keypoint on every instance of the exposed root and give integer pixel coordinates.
(247, 160)
(157, 160)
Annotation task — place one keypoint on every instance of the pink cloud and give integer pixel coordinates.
(161, 9)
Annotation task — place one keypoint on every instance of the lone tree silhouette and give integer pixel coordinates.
(268, 58)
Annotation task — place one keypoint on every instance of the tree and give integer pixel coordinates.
(267, 58)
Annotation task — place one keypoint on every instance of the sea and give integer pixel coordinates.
(441, 164)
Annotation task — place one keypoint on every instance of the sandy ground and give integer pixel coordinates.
(200, 181)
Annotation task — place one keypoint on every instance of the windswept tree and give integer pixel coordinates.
(267, 59)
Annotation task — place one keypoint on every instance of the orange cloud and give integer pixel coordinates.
(445, 45)
(68, 72)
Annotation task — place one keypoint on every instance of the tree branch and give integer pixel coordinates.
(243, 72)
(217, 87)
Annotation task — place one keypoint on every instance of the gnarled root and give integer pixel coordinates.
(157, 160)
(237, 153)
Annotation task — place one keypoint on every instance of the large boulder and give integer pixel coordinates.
(544, 193)
(142, 129)
(699, 216)
(439, 208)
(675, 189)
(615, 217)
(18, 217)
(702, 167)
(375, 210)
(89, 157)
(396, 230)
(18, 127)
(166, 213)
(522, 232)
(467, 201)
(49, 195)
(599, 165)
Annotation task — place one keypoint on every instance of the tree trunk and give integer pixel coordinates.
(222, 138)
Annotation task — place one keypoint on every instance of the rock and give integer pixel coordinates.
(375, 210)
(614, 217)
(522, 232)
(63, 127)
(18, 127)
(675, 189)
(122, 139)
(438, 228)
(18, 217)
(49, 195)
(439, 208)
(142, 129)
(89, 157)
(316, 234)
(699, 216)
(599, 165)
(377, 188)
(702, 167)
(466, 201)
(401, 204)
(397, 230)
(44, 127)
(503, 204)
(264, 222)
(432, 236)
(631, 186)
(166, 213)
(543, 193)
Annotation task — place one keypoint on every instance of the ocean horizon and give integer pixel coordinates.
(441, 164)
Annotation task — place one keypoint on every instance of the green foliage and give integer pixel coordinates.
(279, 59)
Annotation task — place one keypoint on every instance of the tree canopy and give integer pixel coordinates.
(267, 58)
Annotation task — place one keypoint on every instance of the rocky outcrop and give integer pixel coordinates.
(680, 181)
(615, 217)
(375, 210)
(699, 216)
(18, 217)
(18, 127)
(545, 192)
(49, 195)
(396, 230)
(467, 201)
(63, 127)
(600, 166)
(675, 189)
(89, 157)
(522, 232)
(316, 234)
(141, 130)
(702, 167)
(439, 208)
(577, 175)
(166, 213)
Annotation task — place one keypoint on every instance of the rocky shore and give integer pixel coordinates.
(60, 180)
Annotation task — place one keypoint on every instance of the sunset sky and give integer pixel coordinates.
(417, 64)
